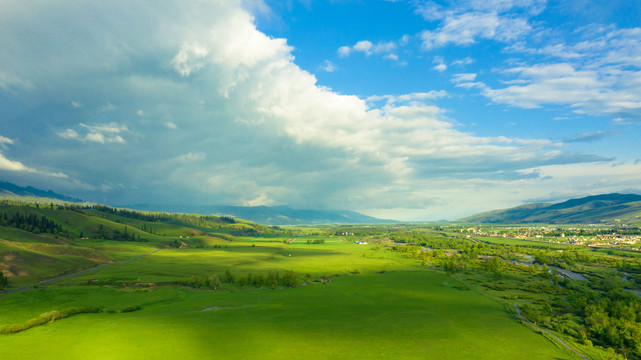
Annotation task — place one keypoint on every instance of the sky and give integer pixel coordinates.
(411, 110)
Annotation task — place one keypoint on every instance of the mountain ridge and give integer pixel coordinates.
(7, 188)
(269, 215)
(604, 208)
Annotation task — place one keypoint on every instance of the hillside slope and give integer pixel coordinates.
(40, 242)
(607, 208)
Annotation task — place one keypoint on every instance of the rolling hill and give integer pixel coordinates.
(607, 208)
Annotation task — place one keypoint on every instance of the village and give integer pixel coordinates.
(588, 235)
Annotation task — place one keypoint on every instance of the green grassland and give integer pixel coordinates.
(402, 315)
(183, 291)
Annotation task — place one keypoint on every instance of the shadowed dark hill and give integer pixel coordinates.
(607, 208)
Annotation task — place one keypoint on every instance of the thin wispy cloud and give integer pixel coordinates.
(591, 136)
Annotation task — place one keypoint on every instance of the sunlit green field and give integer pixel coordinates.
(351, 301)
(378, 305)
(399, 315)
(247, 257)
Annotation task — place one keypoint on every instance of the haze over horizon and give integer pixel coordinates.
(407, 110)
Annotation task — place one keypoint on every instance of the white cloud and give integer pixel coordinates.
(440, 67)
(75, 104)
(598, 72)
(466, 28)
(390, 99)
(440, 64)
(254, 127)
(465, 22)
(364, 46)
(329, 66)
(6, 164)
(463, 78)
(405, 40)
(368, 48)
(463, 62)
(106, 133)
(189, 59)
(262, 200)
(392, 57)
(17, 166)
(69, 134)
(344, 51)
(587, 91)
(384, 47)
(432, 11)
(5, 140)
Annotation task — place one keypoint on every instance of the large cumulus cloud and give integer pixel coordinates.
(179, 102)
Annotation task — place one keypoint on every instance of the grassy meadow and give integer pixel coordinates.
(195, 288)
(401, 315)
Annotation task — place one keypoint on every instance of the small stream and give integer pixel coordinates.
(569, 273)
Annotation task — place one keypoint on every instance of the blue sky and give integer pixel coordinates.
(411, 110)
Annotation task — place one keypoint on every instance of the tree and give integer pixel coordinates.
(4, 282)
(229, 277)
(215, 282)
(290, 279)
(273, 279)
(493, 265)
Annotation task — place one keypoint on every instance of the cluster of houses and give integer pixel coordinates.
(569, 235)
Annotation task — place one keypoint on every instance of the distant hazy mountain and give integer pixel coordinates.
(269, 215)
(12, 189)
(624, 208)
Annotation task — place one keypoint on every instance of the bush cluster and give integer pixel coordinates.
(271, 279)
(47, 318)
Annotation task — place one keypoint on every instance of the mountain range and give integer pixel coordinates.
(7, 188)
(269, 215)
(606, 208)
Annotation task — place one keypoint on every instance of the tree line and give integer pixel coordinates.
(272, 279)
(31, 223)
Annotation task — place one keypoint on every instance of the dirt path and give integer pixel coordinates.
(78, 273)
(518, 312)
